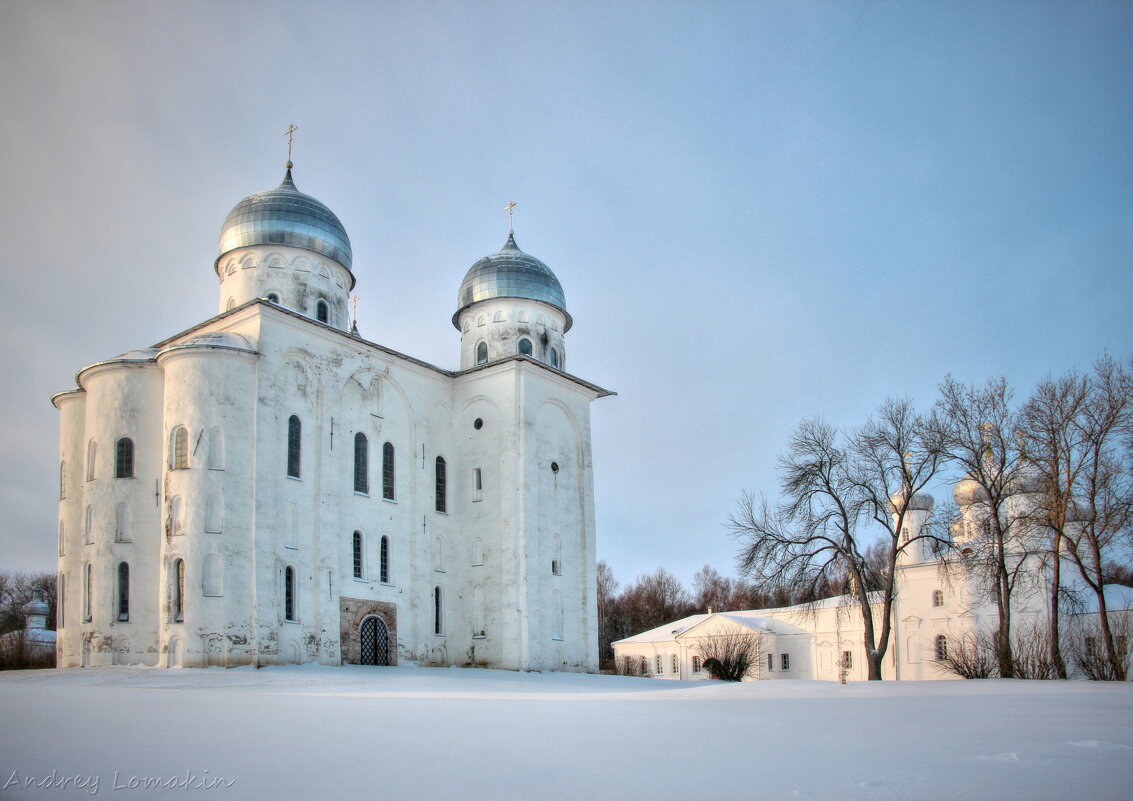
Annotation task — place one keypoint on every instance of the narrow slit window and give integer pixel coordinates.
(178, 600)
(289, 594)
(387, 472)
(438, 606)
(87, 594)
(123, 592)
(361, 463)
(384, 561)
(440, 480)
(179, 449)
(124, 458)
(357, 554)
(294, 433)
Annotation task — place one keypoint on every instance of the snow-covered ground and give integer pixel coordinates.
(315, 732)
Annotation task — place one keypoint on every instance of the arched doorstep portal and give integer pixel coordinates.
(374, 636)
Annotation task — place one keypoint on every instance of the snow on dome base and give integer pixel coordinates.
(285, 216)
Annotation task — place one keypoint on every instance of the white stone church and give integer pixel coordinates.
(268, 487)
(935, 609)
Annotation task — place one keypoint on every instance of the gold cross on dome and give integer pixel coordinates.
(291, 129)
(511, 204)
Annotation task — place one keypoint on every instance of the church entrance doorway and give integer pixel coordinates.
(374, 636)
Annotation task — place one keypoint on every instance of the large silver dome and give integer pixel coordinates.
(286, 216)
(510, 273)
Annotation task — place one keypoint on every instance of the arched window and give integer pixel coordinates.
(525, 347)
(216, 449)
(213, 582)
(357, 544)
(441, 500)
(177, 591)
(387, 471)
(230, 305)
(557, 557)
(383, 575)
(122, 523)
(482, 353)
(214, 513)
(294, 432)
(274, 298)
(322, 311)
(438, 607)
(123, 592)
(87, 594)
(124, 458)
(179, 448)
(938, 598)
(63, 479)
(88, 519)
(289, 611)
(439, 554)
(361, 463)
(62, 540)
(553, 358)
(92, 455)
(176, 516)
(478, 611)
(941, 648)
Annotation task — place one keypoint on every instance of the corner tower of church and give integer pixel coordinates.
(289, 248)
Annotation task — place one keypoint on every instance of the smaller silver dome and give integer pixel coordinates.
(510, 273)
(967, 491)
(920, 502)
(286, 216)
(36, 606)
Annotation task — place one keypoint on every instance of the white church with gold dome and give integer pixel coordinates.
(268, 487)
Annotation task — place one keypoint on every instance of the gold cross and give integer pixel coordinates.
(354, 303)
(511, 204)
(291, 129)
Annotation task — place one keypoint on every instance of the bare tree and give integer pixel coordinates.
(732, 656)
(978, 429)
(1088, 654)
(1056, 448)
(16, 589)
(809, 541)
(814, 540)
(972, 657)
(895, 455)
(1103, 491)
(654, 599)
(712, 591)
(610, 624)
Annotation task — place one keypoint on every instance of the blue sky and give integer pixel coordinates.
(759, 211)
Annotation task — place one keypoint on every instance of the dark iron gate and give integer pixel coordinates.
(375, 641)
